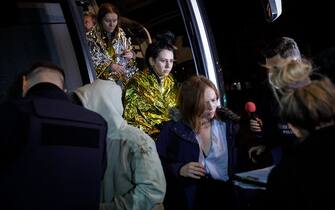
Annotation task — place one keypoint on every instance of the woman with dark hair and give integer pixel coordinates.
(111, 50)
(196, 150)
(152, 92)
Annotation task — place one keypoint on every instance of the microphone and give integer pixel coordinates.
(250, 107)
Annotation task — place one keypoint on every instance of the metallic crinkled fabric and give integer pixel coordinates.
(147, 102)
(104, 52)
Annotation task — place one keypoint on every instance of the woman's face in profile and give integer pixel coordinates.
(163, 64)
(109, 22)
(211, 103)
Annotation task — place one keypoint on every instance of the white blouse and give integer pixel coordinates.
(216, 162)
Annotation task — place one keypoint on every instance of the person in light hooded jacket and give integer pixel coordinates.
(134, 177)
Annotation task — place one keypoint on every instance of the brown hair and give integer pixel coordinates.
(106, 8)
(191, 99)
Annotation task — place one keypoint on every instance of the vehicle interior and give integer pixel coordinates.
(52, 30)
(143, 28)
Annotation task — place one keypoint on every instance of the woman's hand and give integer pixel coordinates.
(117, 69)
(256, 151)
(256, 125)
(128, 54)
(193, 170)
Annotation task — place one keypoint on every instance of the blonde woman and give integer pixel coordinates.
(304, 179)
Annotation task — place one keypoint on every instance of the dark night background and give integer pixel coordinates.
(240, 29)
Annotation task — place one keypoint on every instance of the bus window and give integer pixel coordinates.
(36, 31)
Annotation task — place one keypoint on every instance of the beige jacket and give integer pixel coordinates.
(134, 177)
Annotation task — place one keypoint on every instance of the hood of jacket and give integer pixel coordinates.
(104, 97)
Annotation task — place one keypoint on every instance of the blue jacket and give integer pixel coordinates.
(177, 146)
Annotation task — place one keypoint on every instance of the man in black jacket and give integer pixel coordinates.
(53, 152)
(273, 134)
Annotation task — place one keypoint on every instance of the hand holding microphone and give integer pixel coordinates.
(256, 124)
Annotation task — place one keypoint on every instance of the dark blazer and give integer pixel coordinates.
(54, 152)
(305, 178)
(177, 146)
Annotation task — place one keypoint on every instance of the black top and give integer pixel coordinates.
(53, 152)
(304, 179)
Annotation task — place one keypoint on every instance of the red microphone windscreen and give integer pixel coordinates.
(250, 107)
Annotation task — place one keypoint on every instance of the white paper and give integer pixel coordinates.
(254, 179)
